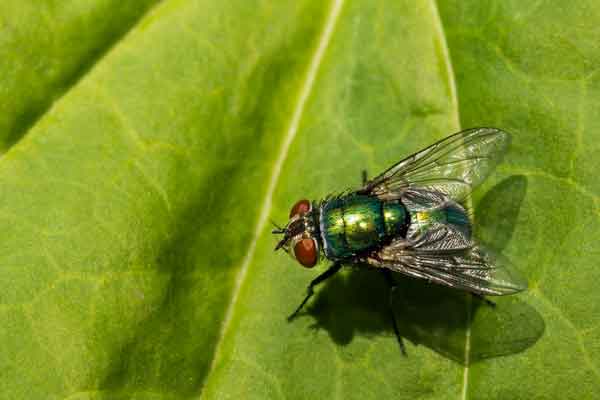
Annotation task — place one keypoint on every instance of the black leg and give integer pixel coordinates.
(388, 277)
(364, 177)
(484, 299)
(309, 290)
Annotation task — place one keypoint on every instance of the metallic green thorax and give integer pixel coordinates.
(356, 223)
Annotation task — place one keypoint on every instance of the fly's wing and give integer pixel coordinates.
(472, 268)
(452, 166)
(439, 247)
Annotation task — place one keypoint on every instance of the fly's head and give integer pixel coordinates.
(299, 235)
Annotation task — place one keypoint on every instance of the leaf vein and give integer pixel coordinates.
(290, 134)
(590, 364)
(455, 106)
(72, 80)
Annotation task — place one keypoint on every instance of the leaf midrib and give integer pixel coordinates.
(457, 127)
(305, 90)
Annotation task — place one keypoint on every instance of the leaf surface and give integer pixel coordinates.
(47, 46)
(137, 260)
(532, 70)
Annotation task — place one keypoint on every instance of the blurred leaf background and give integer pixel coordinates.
(147, 143)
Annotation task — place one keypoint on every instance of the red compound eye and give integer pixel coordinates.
(305, 252)
(301, 207)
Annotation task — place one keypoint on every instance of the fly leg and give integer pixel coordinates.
(484, 299)
(390, 280)
(364, 177)
(309, 290)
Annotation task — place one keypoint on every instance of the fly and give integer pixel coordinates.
(410, 219)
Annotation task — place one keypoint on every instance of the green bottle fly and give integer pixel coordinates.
(409, 219)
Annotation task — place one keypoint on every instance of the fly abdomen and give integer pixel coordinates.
(396, 218)
(355, 223)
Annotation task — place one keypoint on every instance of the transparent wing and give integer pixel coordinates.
(452, 166)
(437, 222)
(473, 268)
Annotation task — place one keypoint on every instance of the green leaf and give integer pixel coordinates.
(531, 69)
(47, 46)
(137, 260)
